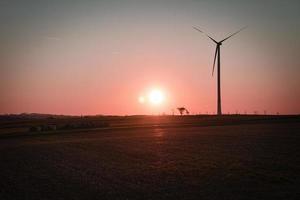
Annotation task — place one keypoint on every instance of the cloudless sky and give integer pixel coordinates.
(98, 57)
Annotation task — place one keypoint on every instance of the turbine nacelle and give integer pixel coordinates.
(218, 43)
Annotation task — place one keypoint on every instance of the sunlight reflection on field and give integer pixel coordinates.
(159, 132)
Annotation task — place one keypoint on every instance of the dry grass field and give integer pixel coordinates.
(152, 157)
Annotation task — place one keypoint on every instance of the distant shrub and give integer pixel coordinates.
(69, 126)
(42, 128)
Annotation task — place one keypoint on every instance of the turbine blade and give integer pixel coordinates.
(216, 52)
(233, 34)
(205, 34)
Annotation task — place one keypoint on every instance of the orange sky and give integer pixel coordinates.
(98, 58)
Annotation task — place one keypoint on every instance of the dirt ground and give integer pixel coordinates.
(239, 161)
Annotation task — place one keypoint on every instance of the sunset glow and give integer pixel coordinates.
(105, 57)
(142, 99)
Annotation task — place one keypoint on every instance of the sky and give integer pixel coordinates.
(86, 57)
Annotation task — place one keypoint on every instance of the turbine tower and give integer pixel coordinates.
(217, 53)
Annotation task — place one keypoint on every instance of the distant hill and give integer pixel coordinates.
(31, 116)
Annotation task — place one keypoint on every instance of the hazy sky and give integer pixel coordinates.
(98, 57)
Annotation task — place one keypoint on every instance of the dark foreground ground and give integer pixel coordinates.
(240, 161)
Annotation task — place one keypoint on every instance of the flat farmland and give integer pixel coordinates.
(230, 161)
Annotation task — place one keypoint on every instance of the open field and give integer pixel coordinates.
(166, 157)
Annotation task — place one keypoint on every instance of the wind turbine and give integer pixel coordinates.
(217, 52)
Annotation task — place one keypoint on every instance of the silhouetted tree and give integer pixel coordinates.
(182, 110)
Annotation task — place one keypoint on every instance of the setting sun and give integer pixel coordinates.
(156, 97)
